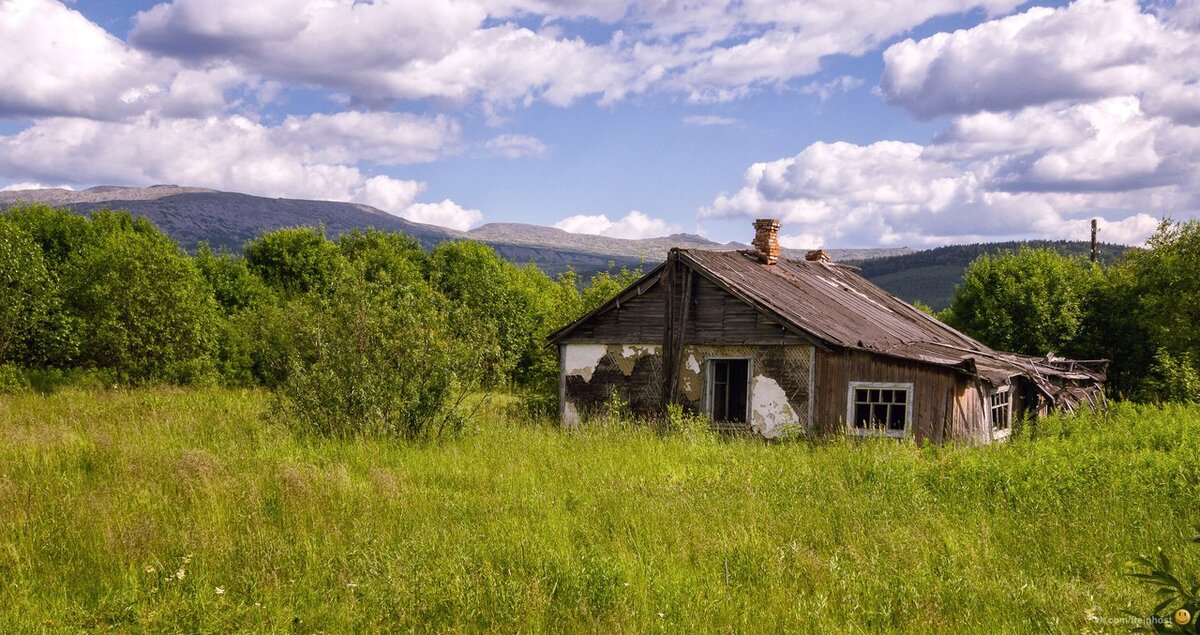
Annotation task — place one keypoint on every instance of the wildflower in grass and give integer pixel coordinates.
(219, 590)
(180, 574)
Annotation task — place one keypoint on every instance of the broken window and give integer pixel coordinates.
(1001, 409)
(728, 383)
(879, 408)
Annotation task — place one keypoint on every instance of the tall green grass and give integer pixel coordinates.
(152, 510)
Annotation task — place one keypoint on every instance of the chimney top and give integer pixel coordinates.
(817, 255)
(766, 240)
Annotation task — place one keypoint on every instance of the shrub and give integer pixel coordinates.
(145, 311)
(1031, 301)
(1171, 378)
(375, 358)
(294, 260)
(27, 291)
(13, 380)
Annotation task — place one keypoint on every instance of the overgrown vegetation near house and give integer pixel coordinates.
(1141, 312)
(187, 510)
(931, 275)
(363, 333)
(272, 494)
(368, 332)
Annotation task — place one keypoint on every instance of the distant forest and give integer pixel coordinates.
(931, 276)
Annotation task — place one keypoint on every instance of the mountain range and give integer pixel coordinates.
(227, 220)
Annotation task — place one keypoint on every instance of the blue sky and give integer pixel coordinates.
(856, 123)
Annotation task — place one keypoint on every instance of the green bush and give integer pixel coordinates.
(1171, 378)
(375, 358)
(1031, 301)
(294, 260)
(27, 292)
(13, 380)
(145, 311)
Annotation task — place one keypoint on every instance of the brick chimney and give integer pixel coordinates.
(817, 255)
(766, 240)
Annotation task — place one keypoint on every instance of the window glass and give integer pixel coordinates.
(1001, 410)
(880, 409)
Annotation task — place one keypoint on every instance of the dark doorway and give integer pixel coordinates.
(729, 389)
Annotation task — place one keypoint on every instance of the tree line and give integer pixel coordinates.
(363, 333)
(369, 333)
(1141, 312)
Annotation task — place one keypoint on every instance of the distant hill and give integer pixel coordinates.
(931, 275)
(227, 219)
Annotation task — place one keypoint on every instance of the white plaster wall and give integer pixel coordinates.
(770, 412)
(581, 359)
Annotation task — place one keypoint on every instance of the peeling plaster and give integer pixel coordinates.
(570, 418)
(581, 359)
(770, 412)
(638, 350)
(627, 355)
(690, 381)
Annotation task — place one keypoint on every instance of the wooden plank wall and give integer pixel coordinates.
(714, 317)
(717, 318)
(638, 320)
(946, 404)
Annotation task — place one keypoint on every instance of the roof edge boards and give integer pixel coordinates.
(636, 289)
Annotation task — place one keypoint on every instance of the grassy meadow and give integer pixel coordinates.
(188, 511)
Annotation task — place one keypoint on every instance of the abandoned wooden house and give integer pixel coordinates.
(775, 345)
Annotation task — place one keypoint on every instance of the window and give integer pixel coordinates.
(727, 388)
(879, 408)
(1001, 409)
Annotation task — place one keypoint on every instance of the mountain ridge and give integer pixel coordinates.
(228, 220)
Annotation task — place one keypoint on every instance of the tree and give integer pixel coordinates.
(1145, 316)
(1030, 302)
(605, 285)
(396, 256)
(376, 357)
(27, 291)
(500, 300)
(60, 236)
(294, 260)
(145, 310)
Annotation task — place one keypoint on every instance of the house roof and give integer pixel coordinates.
(834, 305)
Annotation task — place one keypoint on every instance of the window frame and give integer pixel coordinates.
(880, 432)
(998, 434)
(709, 381)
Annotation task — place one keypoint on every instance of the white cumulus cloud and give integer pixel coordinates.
(985, 178)
(303, 158)
(634, 225)
(1088, 50)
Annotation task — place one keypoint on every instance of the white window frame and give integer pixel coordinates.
(878, 432)
(709, 371)
(996, 433)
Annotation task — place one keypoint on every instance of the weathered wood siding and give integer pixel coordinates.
(714, 317)
(717, 318)
(638, 320)
(947, 405)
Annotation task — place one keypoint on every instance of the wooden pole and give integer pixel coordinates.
(1095, 244)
